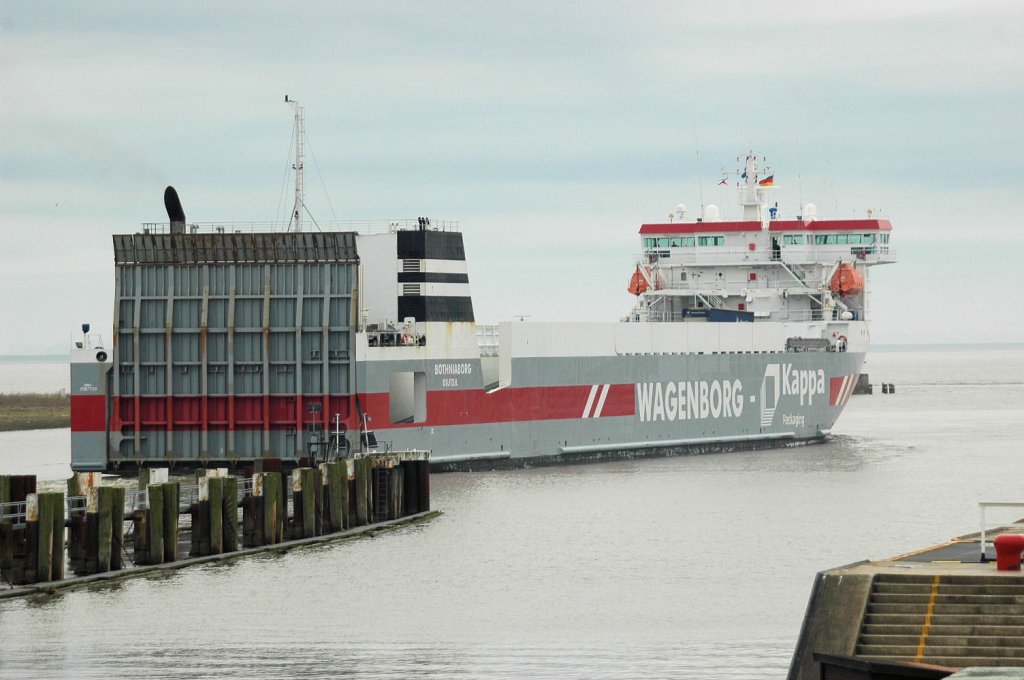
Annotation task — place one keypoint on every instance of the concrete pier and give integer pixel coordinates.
(935, 610)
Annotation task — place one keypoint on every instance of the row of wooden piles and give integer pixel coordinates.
(327, 499)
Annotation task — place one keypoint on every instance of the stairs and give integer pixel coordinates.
(955, 621)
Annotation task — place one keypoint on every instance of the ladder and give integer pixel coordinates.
(380, 494)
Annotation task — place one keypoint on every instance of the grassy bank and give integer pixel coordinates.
(33, 411)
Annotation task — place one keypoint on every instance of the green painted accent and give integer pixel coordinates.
(229, 509)
(172, 497)
(215, 485)
(155, 542)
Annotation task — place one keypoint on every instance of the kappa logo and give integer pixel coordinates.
(784, 380)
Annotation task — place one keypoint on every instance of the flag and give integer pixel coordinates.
(768, 181)
(724, 182)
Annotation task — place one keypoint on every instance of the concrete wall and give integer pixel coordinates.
(832, 621)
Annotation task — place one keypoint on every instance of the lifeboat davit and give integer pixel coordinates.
(638, 283)
(847, 281)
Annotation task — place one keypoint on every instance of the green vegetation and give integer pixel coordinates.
(34, 411)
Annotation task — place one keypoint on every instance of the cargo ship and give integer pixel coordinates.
(233, 343)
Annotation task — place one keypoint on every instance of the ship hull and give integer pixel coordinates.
(573, 409)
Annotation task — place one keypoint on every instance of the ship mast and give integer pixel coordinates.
(300, 186)
(751, 194)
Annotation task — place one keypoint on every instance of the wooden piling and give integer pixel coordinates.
(395, 488)
(215, 500)
(252, 514)
(410, 487)
(335, 479)
(155, 528)
(363, 474)
(105, 529)
(171, 501)
(229, 513)
(274, 506)
(423, 484)
(46, 511)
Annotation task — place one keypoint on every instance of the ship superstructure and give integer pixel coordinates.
(234, 343)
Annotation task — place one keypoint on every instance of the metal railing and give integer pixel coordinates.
(992, 504)
(14, 513)
(361, 226)
(797, 255)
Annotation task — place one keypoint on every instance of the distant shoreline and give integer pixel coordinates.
(34, 411)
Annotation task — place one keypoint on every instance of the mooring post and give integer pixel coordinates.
(274, 508)
(141, 520)
(395, 491)
(423, 483)
(255, 536)
(171, 499)
(229, 513)
(363, 473)
(215, 498)
(45, 517)
(155, 528)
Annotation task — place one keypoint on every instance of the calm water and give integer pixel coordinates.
(685, 567)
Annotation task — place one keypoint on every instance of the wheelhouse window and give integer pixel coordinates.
(711, 241)
(793, 240)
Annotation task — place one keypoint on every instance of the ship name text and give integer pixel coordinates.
(689, 400)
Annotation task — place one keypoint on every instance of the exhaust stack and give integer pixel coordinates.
(174, 211)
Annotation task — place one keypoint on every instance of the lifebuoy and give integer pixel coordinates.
(841, 343)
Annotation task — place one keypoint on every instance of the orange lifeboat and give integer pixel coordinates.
(847, 281)
(638, 283)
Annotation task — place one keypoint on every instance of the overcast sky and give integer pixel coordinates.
(549, 130)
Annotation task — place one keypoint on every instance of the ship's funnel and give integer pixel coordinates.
(174, 212)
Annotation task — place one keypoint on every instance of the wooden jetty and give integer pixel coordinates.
(49, 540)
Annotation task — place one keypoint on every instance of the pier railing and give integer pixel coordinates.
(982, 506)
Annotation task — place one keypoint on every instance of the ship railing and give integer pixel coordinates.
(709, 255)
(773, 315)
(736, 288)
(360, 226)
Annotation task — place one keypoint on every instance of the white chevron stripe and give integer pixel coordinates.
(853, 385)
(842, 391)
(590, 402)
(600, 402)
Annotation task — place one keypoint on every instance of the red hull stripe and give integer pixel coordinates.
(840, 389)
(88, 413)
(444, 407)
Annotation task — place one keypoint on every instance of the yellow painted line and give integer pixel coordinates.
(927, 619)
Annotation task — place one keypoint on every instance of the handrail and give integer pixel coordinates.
(993, 504)
(361, 226)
